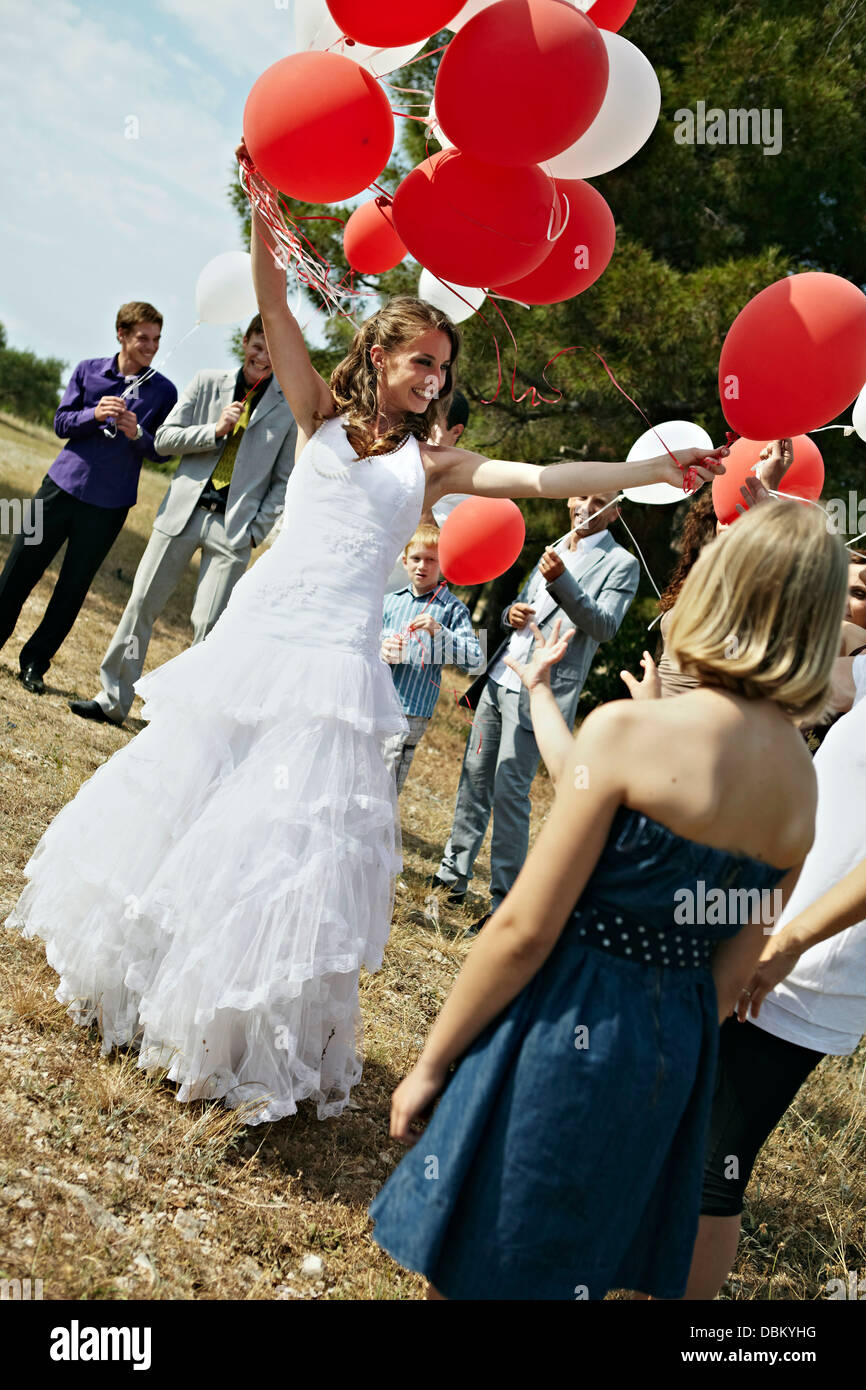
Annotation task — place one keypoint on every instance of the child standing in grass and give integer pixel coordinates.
(424, 628)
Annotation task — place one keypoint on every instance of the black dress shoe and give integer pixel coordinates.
(454, 897)
(32, 680)
(476, 926)
(92, 709)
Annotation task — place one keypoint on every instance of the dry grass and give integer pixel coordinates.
(111, 1190)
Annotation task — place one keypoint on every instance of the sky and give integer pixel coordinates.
(92, 218)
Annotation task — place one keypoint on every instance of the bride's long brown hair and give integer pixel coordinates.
(354, 381)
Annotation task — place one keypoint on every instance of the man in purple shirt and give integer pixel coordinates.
(109, 414)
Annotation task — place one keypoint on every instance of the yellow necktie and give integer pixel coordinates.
(222, 475)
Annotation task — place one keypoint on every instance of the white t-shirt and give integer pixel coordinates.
(822, 1003)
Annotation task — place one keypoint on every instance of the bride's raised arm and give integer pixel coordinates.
(305, 390)
(458, 470)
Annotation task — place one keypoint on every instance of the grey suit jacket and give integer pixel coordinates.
(594, 600)
(264, 459)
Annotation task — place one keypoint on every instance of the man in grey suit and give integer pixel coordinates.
(236, 438)
(588, 582)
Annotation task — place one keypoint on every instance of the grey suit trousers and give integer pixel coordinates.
(159, 572)
(500, 761)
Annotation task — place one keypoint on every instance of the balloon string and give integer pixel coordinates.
(420, 57)
(642, 559)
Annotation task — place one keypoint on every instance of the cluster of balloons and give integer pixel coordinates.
(532, 97)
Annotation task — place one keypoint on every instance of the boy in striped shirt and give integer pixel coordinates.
(424, 627)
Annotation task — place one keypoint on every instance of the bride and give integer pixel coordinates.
(212, 892)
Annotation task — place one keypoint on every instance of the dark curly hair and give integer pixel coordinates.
(699, 528)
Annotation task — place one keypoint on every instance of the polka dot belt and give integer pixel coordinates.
(625, 936)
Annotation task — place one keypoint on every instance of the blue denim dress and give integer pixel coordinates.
(565, 1157)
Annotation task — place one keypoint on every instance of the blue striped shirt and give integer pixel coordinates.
(417, 679)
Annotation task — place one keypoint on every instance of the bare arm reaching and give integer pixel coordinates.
(305, 390)
(459, 470)
(553, 736)
(841, 907)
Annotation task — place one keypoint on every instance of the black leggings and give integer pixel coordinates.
(757, 1077)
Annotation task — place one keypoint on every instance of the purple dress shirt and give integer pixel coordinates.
(91, 466)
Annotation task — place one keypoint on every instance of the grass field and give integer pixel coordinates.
(111, 1190)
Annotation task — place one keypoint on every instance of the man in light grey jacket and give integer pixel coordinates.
(588, 582)
(235, 435)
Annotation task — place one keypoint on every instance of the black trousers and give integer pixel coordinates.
(90, 532)
(757, 1077)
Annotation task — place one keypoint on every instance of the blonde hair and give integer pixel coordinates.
(760, 611)
(354, 381)
(425, 535)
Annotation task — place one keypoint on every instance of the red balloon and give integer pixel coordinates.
(481, 539)
(369, 240)
(578, 256)
(318, 126)
(391, 23)
(521, 81)
(804, 478)
(610, 14)
(472, 223)
(794, 357)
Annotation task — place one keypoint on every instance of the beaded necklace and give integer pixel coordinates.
(347, 470)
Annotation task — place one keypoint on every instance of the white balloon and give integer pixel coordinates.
(224, 291)
(441, 296)
(625, 122)
(676, 434)
(315, 28)
(858, 418)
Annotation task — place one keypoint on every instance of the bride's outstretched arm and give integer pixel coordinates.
(459, 470)
(307, 393)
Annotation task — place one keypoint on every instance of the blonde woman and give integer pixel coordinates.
(213, 891)
(565, 1156)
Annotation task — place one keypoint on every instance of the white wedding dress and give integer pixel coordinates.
(213, 890)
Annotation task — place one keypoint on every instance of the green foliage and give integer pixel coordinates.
(29, 385)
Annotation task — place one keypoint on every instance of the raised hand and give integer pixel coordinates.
(698, 466)
(229, 418)
(649, 687)
(127, 423)
(108, 408)
(550, 566)
(519, 615)
(776, 458)
(426, 623)
(545, 653)
(752, 492)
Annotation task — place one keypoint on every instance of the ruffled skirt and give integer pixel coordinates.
(213, 890)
